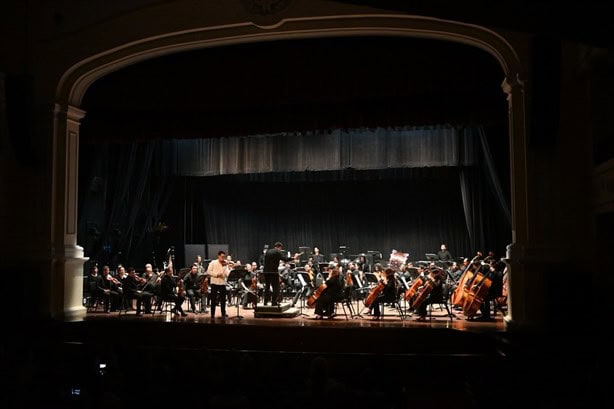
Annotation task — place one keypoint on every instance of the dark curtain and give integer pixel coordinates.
(411, 210)
(406, 195)
(124, 192)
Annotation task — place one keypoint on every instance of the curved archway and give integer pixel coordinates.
(77, 79)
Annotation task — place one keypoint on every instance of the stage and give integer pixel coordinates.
(123, 360)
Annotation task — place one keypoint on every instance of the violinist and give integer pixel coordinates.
(150, 288)
(132, 283)
(192, 284)
(325, 303)
(218, 272)
(168, 291)
(113, 288)
(388, 294)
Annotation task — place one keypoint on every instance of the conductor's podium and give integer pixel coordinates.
(284, 310)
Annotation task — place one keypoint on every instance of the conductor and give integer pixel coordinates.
(271, 272)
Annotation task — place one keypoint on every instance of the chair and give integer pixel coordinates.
(396, 304)
(94, 301)
(162, 306)
(441, 301)
(346, 302)
(95, 297)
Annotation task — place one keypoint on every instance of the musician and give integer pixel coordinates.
(132, 285)
(218, 272)
(168, 291)
(249, 285)
(325, 304)
(151, 288)
(97, 288)
(435, 276)
(113, 288)
(198, 260)
(443, 254)
(388, 295)
(192, 285)
(495, 274)
(272, 258)
(317, 258)
(363, 264)
(455, 272)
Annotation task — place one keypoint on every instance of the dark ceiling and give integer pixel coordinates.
(296, 85)
(585, 21)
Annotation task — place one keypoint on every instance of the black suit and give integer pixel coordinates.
(271, 274)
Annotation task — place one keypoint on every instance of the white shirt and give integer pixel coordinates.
(218, 272)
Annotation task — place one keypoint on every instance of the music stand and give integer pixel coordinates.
(302, 278)
(431, 256)
(235, 276)
(371, 278)
(360, 288)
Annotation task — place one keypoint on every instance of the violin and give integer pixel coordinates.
(114, 280)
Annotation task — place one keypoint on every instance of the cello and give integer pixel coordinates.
(477, 294)
(311, 301)
(458, 298)
(375, 292)
(423, 292)
(411, 291)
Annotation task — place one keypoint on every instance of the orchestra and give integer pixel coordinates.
(474, 286)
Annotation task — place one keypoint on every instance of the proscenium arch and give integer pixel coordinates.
(75, 82)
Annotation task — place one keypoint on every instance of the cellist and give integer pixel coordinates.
(494, 272)
(388, 294)
(434, 282)
(325, 303)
